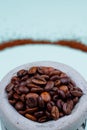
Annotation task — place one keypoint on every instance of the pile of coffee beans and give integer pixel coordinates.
(42, 93)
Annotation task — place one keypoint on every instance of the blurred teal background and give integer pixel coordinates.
(43, 19)
(49, 19)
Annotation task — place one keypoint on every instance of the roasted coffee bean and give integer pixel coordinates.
(78, 89)
(16, 96)
(23, 89)
(55, 77)
(15, 88)
(70, 104)
(32, 70)
(15, 80)
(63, 88)
(68, 95)
(31, 117)
(10, 94)
(55, 72)
(57, 83)
(18, 92)
(66, 108)
(59, 104)
(76, 93)
(34, 95)
(45, 77)
(63, 75)
(31, 100)
(70, 86)
(19, 105)
(65, 80)
(55, 112)
(50, 69)
(22, 112)
(48, 114)
(41, 102)
(46, 96)
(75, 100)
(22, 73)
(42, 119)
(43, 93)
(50, 105)
(61, 94)
(40, 70)
(31, 85)
(12, 102)
(9, 87)
(49, 85)
(31, 110)
(24, 78)
(28, 81)
(22, 97)
(39, 78)
(23, 83)
(45, 70)
(38, 114)
(38, 81)
(36, 90)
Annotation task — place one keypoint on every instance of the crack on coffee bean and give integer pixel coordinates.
(43, 93)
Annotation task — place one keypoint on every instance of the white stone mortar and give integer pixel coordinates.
(12, 120)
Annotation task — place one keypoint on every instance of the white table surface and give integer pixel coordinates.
(43, 19)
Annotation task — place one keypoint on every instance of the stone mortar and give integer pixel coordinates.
(12, 120)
